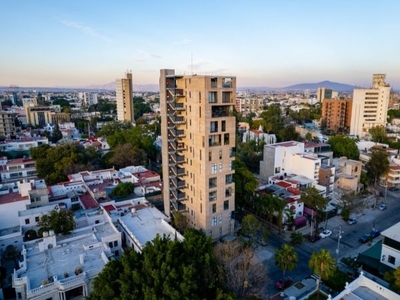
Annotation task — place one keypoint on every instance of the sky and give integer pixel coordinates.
(263, 43)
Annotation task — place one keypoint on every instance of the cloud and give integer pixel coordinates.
(183, 42)
(85, 29)
(148, 54)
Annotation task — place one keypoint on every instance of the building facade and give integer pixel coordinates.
(123, 88)
(198, 141)
(7, 123)
(370, 106)
(336, 114)
(324, 93)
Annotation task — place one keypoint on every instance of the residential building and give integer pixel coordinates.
(17, 170)
(7, 123)
(124, 93)
(390, 255)
(324, 93)
(348, 174)
(336, 114)
(198, 140)
(38, 115)
(370, 106)
(259, 136)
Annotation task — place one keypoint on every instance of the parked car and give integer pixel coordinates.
(382, 206)
(394, 189)
(282, 284)
(352, 221)
(325, 233)
(369, 236)
(314, 238)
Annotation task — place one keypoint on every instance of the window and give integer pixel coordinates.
(226, 138)
(230, 166)
(223, 125)
(212, 182)
(27, 221)
(110, 244)
(226, 204)
(228, 192)
(214, 208)
(199, 97)
(209, 156)
(213, 126)
(220, 154)
(201, 208)
(220, 167)
(228, 179)
(392, 259)
(214, 221)
(37, 219)
(212, 196)
(214, 169)
(115, 243)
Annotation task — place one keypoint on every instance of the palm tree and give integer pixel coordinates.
(286, 259)
(280, 206)
(322, 264)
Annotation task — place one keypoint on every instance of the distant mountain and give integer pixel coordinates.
(336, 86)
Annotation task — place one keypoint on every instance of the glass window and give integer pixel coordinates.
(214, 208)
(226, 204)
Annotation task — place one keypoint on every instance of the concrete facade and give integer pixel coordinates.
(198, 140)
(370, 106)
(336, 114)
(123, 88)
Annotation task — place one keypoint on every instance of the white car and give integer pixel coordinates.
(325, 233)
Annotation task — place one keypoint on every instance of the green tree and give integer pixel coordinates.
(322, 264)
(378, 164)
(288, 133)
(127, 155)
(344, 146)
(165, 269)
(280, 206)
(250, 225)
(245, 183)
(180, 221)
(11, 253)
(59, 220)
(378, 134)
(396, 275)
(123, 189)
(313, 199)
(308, 136)
(286, 259)
(273, 118)
(296, 238)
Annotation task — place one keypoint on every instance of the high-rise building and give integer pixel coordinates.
(198, 143)
(324, 93)
(370, 106)
(336, 114)
(124, 95)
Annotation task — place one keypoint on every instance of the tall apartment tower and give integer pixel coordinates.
(370, 106)
(198, 143)
(336, 114)
(324, 93)
(123, 88)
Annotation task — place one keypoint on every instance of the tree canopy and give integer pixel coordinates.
(123, 189)
(60, 220)
(344, 146)
(286, 258)
(378, 134)
(378, 164)
(55, 163)
(322, 264)
(245, 182)
(165, 269)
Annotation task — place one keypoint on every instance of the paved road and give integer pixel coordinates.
(349, 245)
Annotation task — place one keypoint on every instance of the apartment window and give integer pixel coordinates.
(230, 166)
(392, 259)
(115, 243)
(212, 97)
(214, 208)
(226, 204)
(220, 167)
(200, 154)
(213, 222)
(228, 179)
(214, 126)
(220, 154)
(37, 219)
(199, 97)
(110, 244)
(223, 125)
(212, 196)
(209, 156)
(212, 182)
(214, 169)
(226, 138)
(200, 112)
(190, 94)
(201, 208)
(228, 192)
(227, 82)
(220, 221)
(27, 221)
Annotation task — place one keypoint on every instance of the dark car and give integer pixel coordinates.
(394, 189)
(314, 238)
(352, 221)
(367, 237)
(282, 284)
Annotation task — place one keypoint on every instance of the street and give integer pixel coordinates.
(349, 244)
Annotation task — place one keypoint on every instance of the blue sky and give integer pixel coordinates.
(262, 43)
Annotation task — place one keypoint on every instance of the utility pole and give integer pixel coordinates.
(338, 244)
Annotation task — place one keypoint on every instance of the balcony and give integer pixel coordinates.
(220, 111)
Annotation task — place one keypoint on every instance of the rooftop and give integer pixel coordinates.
(12, 197)
(393, 232)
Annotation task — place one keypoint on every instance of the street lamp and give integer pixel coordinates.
(338, 244)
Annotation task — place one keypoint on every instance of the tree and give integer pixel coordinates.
(250, 225)
(396, 274)
(378, 134)
(245, 183)
(344, 146)
(59, 220)
(11, 253)
(123, 189)
(308, 136)
(180, 221)
(165, 269)
(288, 133)
(242, 276)
(127, 155)
(378, 164)
(313, 199)
(286, 259)
(322, 264)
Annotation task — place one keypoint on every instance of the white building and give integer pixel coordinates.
(370, 106)
(390, 255)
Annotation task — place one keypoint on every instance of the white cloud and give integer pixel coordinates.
(147, 54)
(85, 29)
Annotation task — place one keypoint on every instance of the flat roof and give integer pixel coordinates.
(285, 144)
(393, 232)
(147, 223)
(12, 197)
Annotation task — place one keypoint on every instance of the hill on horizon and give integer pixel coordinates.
(336, 86)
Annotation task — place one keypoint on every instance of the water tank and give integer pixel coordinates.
(133, 211)
(45, 234)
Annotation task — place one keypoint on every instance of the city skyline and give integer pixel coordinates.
(91, 43)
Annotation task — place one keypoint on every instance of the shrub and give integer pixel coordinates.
(296, 238)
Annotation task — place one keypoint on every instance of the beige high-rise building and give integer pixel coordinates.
(123, 88)
(324, 93)
(198, 141)
(370, 106)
